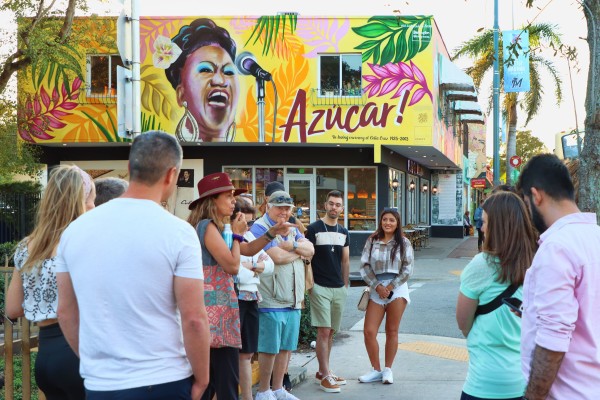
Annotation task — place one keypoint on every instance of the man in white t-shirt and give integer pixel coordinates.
(130, 282)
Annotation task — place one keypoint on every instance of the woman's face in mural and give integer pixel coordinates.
(210, 85)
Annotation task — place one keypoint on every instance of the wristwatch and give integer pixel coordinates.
(295, 245)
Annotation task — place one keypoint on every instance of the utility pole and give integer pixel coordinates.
(496, 94)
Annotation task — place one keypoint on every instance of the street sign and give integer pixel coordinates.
(515, 161)
(478, 183)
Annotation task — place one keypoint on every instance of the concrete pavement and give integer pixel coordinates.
(425, 367)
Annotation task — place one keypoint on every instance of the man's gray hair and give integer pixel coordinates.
(109, 188)
(152, 155)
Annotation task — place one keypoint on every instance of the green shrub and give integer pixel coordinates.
(307, 332)
(18, 381)
(6, 250)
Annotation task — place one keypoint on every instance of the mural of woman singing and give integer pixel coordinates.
(205, 80)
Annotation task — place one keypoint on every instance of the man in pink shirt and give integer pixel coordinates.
(560, 334)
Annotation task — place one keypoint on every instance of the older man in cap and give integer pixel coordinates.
(282, 295)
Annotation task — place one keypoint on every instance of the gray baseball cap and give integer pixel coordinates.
(281, 198)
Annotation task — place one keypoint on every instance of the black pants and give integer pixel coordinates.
(465, 396)
(467, 230)
(480, 238)
(57, 366)
(178, 390)
(224, 374)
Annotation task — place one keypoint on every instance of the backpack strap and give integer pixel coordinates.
(497, 302)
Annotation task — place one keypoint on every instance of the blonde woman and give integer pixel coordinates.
(33, 293)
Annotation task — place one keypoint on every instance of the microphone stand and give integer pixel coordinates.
(260, 102)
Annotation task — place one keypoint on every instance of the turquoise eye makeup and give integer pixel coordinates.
(229, 70)
(205, 66)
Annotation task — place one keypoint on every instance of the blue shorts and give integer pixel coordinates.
(278, 330)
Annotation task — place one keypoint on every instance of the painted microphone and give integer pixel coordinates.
(247, 65)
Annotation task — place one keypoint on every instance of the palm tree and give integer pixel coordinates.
(481, 48)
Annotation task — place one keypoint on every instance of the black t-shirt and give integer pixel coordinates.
(329, 242)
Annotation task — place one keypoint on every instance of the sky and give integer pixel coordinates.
(457, 21)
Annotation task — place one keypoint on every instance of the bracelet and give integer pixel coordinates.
(239, 238)
(269, 236)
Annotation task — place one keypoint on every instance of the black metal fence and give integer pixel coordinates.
(17, 215)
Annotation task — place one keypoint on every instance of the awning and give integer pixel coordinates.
(454, 95)
(472, 119)
(467, 107)
(454, 78)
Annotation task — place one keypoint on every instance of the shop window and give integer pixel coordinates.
(102, 74)
(241, 177)
(340, 75)
(263, 177)
(362, 199)
(329, 179)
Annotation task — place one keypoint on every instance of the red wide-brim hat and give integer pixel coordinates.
(214, 184)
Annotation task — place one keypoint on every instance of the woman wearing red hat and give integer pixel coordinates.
(210, 212)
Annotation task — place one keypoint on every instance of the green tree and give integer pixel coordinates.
(527, 147)
(589, 173)
(16, 156)
(481, 48)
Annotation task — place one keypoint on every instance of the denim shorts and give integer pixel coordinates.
(278, 330)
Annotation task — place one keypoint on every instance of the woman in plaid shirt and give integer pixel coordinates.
(387, 262)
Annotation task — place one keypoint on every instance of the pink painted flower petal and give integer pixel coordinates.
(76, 84)
(69, 105)
(406, 69)
(54, 123)
(375, 89)
(389, 86)
(371, 78)
(394, 69)
(417, 95)
(380, 71)
(45, 97)
(418, 74)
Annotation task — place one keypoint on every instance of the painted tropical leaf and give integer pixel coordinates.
(322, 34)
(44, 114)
(290, 77)
(54, 68)
(154, 93)
(151, 28)
(271, 28)
(241, 24)
(400, 77)
(102, 39)
(394, 39)
(94, 124)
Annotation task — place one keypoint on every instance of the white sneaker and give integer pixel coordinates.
(283, 394)
(268, 395)
(373, 376)
(387, 376)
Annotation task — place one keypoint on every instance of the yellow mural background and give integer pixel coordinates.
(291, 58)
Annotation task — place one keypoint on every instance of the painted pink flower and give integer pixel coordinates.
(399, 76)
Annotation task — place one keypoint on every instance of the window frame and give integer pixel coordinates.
(340, 87)
(111, 79)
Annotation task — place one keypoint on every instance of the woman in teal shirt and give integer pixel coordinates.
(493, 339)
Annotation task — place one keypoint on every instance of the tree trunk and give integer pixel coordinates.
(589, 171)
(511, 141)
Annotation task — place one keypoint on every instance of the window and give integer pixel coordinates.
(102, 74)
(362, 199)
(329, 179)
(340, 75)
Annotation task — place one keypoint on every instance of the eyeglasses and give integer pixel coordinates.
(250, 223)
(281, 200)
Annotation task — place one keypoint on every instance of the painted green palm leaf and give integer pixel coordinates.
(394, 39)
(269, 27)
(56, 67)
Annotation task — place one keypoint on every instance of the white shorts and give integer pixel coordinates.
(401, 291)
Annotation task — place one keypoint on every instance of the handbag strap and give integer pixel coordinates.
(497, 302)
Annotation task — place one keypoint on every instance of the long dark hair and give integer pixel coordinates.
(398, 236)
(509, 235)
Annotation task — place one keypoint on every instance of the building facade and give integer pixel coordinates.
(365, 105)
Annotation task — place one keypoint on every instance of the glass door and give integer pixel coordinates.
(302, 188)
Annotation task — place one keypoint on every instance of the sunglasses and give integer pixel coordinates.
(388, 209)
(281, 200)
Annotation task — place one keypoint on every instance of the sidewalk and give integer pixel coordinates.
(426, 367)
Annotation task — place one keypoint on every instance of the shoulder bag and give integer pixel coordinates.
(363, 302)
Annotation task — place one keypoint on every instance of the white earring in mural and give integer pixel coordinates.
(183, 132)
